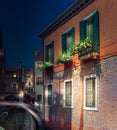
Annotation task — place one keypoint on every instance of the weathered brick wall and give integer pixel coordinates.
(77, 118)
(105, 118)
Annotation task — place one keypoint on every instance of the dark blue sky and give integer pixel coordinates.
(21, 21)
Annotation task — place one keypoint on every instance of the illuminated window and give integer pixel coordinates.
(14, 75)
(90, 92)
(50, 95)
(68, 93)
(67, 39)
(49, 52)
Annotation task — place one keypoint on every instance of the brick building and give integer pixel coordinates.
(81, 94)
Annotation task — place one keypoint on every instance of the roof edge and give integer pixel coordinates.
(74, 9)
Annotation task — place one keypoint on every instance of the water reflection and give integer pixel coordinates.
(17, 119)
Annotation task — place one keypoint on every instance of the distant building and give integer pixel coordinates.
(38, 79)
(2, 69)
(28, 79)
(81, 87)
(13, 81)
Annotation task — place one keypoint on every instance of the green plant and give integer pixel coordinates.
(73, 49)
(63, 58)
(81, 48)
(87, 43)
(46, 65)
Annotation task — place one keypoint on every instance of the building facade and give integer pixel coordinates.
(14, 82)
(28, 80)
(2, 69)
(38, 79)
(81, 94)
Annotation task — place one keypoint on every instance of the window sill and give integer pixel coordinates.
(90, 109)
(49, 105)
(68, 107)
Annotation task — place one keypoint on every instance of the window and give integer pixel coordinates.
(29, 83)
(39, 97)
(90, 92)
(50, 97)
(31, 90)
(68, 93)
(38, 80)
(67, 39)
(89, 27)
(39, 64)
(49, 52)
(14, 87)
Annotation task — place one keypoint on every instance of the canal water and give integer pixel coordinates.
(13, 118)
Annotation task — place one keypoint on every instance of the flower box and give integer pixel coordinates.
(87, 56)
(46, 66)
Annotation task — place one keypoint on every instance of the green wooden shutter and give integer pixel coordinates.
(82, 30)
(46, 53)
(52, 52)
(72, 32)
(63, 43)
(49, 94)
(96, 31)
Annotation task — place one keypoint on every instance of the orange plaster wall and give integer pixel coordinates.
(108, 29)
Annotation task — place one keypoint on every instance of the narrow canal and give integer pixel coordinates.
(14, 118)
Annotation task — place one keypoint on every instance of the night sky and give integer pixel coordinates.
(21, 21)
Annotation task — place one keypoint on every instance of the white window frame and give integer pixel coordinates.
(96, 105)
(46, 93)
(71, 96)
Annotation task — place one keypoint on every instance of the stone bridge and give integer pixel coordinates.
(33, 111)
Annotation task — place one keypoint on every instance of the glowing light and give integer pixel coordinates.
(21, 94)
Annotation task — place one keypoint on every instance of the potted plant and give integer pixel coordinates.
(65, 57)
(85, 46)
(87, 50)
(46, 66)
(73, 49)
